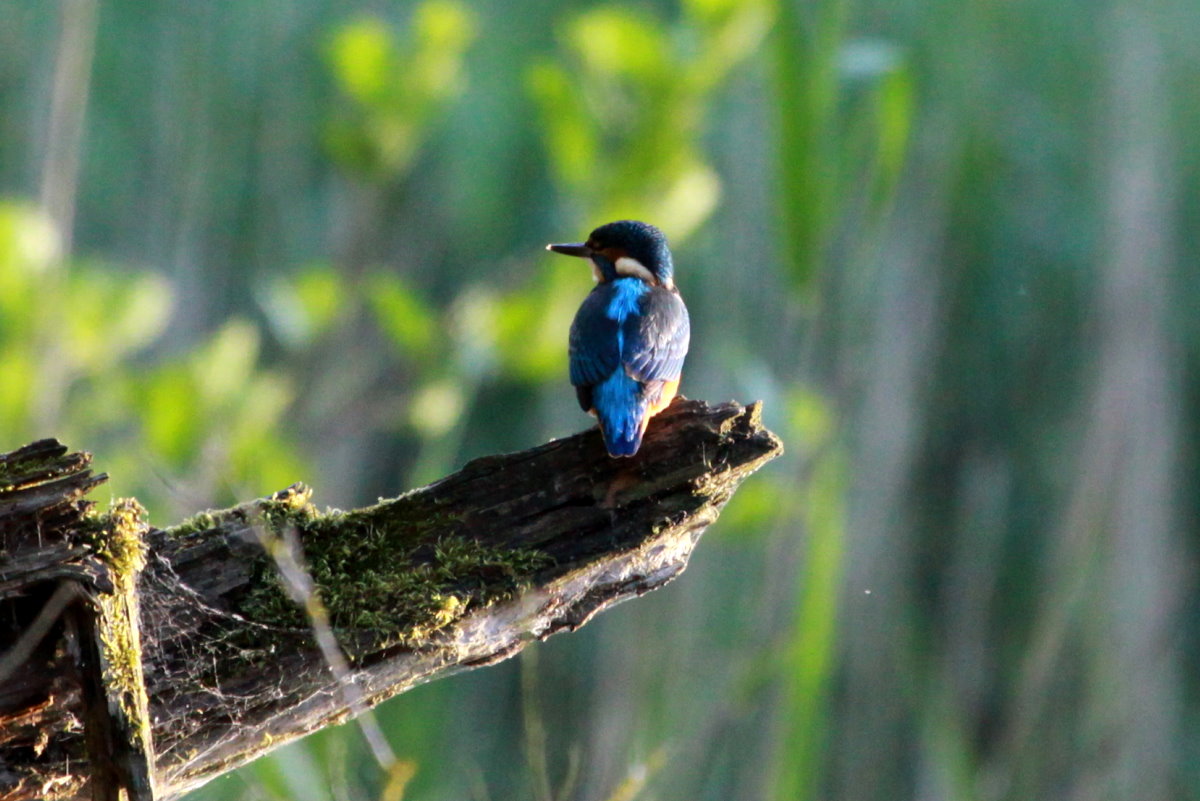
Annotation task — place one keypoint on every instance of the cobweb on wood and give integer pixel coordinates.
(205, 665)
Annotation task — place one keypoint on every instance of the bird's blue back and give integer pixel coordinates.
(628, 338)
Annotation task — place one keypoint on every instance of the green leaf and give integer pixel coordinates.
(107, 314)
(401, 314)
(16, 390)
(444, 25)
(222, 368)
(895, 109)
(570, 133)
(29, 242)
(751, 510)
(811, 417)
(301, 306)
(618, 41)
(531, 326)
(171, 413)
(363, 58)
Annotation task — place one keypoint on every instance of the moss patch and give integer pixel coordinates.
(117, 537)
(17, 473)
(291, 506)
(386, 575)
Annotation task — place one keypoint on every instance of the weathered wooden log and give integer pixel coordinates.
(177, 654)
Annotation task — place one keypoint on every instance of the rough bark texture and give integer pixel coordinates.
(459, 574)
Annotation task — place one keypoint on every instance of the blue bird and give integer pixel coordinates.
(630, 334)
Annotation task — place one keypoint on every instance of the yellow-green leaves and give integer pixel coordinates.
(894, 108)
(304, 305)
(131, 310)
(78, 359)
(394, 86)
(571, 136)
(531, 325)
(216, 402)
(406, 319)
(28, 242)
(363, 58)
(28, 246)
(623, 107)
(616, 40)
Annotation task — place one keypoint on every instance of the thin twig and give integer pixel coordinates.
(286, 552)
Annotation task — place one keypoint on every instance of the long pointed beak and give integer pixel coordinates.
(576, 249)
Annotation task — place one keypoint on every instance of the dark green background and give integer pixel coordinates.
(952, 245)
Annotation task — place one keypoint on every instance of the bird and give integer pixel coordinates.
(630, 336)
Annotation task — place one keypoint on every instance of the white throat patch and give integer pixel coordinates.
(627, 265)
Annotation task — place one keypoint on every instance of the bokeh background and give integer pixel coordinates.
(952, 245)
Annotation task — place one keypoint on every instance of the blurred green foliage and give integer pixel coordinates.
(623, 108)
(393, 88)
(937, 239)
(73, 345)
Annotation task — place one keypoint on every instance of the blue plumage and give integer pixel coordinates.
(617, 401)
(631, 333)
(618, 398)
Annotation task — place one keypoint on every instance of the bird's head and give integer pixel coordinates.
(626, 248)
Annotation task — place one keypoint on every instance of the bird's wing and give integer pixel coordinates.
(594, 351)
(656, 340)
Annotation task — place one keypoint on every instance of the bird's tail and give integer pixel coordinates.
(622, 443)
(621, 410)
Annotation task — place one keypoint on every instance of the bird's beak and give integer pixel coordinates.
(577, 249)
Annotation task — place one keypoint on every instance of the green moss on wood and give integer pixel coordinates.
(117, 537)
(19, 472)
(291, 506)
(385, 575)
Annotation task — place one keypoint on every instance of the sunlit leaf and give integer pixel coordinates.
(260, 406)
(403, 316)
(532, 326)
(445, 25)
(363, 58)
(737, 34)
(223, 367)
(570, 134)
(108, 314)
(170, 413)
(688, 201)
(398, 86)
(17, 369)
(29, 242)
(266, 463)
(28, 245)
(303, 305)
(895, 113)
(810, 417)
(146, 312)
(617, 40)
(751, 511)
(709, 9)
(395, 140)
(436, 407)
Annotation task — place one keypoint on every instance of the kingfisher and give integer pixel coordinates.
(630, 334)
